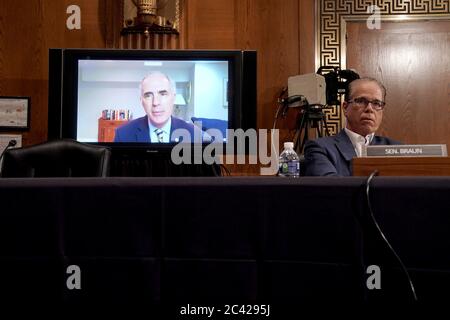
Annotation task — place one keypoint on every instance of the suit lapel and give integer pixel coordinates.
(344, 145)
(180, 124)
(174, 125)
(142, 132)
(377, 141)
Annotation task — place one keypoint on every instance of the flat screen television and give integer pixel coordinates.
(94, 92)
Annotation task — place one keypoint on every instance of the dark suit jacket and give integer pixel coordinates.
(138, 131)
(331, 156)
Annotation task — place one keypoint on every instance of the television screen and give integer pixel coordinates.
(119, 100)
(150, 97)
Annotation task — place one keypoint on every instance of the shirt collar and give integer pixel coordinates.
(358, 140)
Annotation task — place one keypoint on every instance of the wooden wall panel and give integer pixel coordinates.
(28, 28)
(272, 28)
(307, 36)
(412, 60)
(210, 24)
(281, 31)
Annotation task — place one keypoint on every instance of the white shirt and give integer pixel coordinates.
(165, 129)
(358, 140)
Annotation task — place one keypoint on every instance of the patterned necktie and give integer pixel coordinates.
(160, 135)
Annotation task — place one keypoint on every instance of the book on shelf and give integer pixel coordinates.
(116, 114)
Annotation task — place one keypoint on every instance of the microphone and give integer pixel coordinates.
(11, 143)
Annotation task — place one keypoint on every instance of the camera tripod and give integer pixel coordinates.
(312, 117)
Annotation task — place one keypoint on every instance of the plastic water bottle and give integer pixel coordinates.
(289, 163)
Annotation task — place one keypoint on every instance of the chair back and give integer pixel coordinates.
(58, 158)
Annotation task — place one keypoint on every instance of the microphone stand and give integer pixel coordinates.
(11, 143)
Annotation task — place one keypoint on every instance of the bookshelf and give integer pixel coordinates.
(106, 129)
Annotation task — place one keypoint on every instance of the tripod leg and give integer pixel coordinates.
(299, 132)
(297, 135)
(305, 133)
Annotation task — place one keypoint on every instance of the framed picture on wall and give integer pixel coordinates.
(14, 113)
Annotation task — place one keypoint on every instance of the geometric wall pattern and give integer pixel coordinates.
(328, 31)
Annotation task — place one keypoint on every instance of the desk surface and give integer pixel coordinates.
(221, 239)
(232, 180)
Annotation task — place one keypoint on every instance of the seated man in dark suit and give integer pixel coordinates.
(363, 109)
(159, 126)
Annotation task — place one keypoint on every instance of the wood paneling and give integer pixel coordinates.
(412, 60)
(210, 24)
(272, 28)
(281, 31)
(406, 166)
(113, 22)
(28, 28)
(307, 36)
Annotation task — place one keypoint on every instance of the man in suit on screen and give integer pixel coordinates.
(363, 110)
(158, 125)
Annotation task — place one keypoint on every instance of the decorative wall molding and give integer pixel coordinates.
(331, 16)
(332, 12)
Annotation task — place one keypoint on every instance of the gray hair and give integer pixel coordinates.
(368, 79)
(159, 73)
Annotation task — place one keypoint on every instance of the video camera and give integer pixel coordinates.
(337, 82)
(312, 93)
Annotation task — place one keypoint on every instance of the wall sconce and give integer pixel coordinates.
(146, 11)
(151, 16)
(179, 103)
(179, 100)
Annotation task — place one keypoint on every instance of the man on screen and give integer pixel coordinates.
(158, 125)
(363, 110)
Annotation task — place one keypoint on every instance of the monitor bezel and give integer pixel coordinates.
(69, 89)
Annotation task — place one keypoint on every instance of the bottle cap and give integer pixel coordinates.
(289, 145)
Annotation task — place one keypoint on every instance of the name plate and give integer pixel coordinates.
(405, 150)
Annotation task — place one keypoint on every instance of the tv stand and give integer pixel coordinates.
(141, 163)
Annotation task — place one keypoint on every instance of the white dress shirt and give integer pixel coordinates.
(358, 141)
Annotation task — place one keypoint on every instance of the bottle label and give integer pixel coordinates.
(290, 167)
